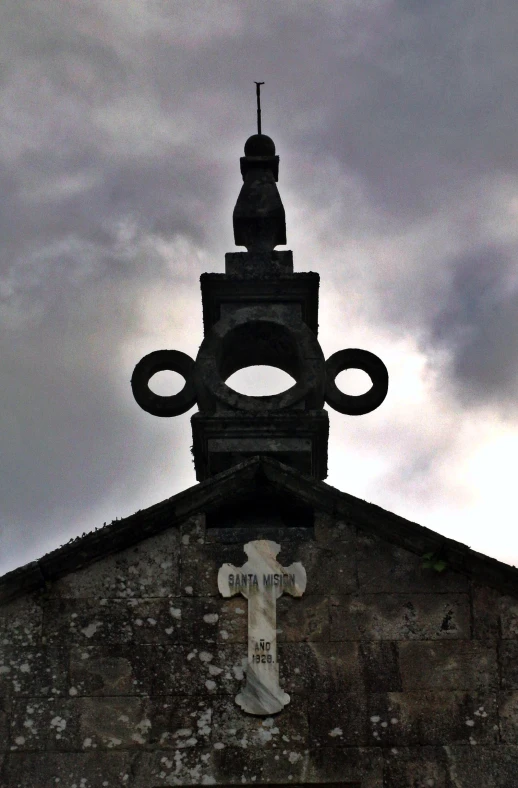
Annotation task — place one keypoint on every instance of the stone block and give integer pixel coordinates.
(193, 530)
(415, 767)
(113, 723)
(330, 531)
(306, 618)
(4, 727)
(179, 722)
(320, 667)
(486, 612)
(211, 625)
(33, 672)
(350, 767)
(383, 566)
(45, 724)
(148, 569)
(402, 719)
(440, 717)
(509, 663)
(331, 569)
(95, 621)
(456, 665)
(285, 765)
(509, 617)
(232, 728)
(20, 622)
(379, 662)
(192, 766)
(200, 567)
(203, 671)
(508, 709)
(483, 767)
(409, 616)
(233, 620)
(115, 669)
(338, 720)
(65, 769)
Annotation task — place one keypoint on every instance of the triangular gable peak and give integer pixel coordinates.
(236, 505)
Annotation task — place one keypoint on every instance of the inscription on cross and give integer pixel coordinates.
(262, 580)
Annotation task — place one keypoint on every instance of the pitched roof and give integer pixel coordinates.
(247, 478)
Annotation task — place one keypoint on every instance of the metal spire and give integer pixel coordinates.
(258, 94)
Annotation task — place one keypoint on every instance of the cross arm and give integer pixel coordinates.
(224, 586)
(297, 571)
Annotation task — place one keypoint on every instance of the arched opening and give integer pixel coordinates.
(260, 380)
(166, 383)
(353, 382)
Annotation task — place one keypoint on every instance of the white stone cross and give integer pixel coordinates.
(262, 580)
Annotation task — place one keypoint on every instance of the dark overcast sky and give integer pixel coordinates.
(121, 131)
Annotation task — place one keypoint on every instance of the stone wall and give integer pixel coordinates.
(124, 673)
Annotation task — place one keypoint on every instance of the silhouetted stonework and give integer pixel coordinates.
(122, 671)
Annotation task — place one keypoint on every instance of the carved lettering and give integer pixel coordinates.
(262, 693)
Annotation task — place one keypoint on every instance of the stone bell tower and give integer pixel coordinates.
(259, 312)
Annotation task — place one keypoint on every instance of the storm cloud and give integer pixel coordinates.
(121, 127)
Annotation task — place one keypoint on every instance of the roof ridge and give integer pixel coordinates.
(120, 534)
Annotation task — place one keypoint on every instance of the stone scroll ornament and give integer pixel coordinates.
(176, 361)
(262, 580)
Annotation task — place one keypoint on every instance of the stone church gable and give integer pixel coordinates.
(121, 660)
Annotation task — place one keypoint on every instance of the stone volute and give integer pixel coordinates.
(259, 312)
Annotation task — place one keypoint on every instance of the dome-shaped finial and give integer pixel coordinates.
(259, 145)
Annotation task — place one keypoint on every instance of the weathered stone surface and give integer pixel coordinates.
(405, 719)
(112, 723)
(409, 616)
(386, 567)
(509, 663)
(508, 710)
(91, 621)
(329, 531)
(380, 666)
(149, 569)
(346, 766)
(486, 612)
(192, 766)
(483, 767)
(284, 765)
(33, 672)
(320, 667)
(180, 722)
(200, 565)
(331, 571)
(233, 621)
(20, 623)
(193, 670)
(509, 616)
(400, 690)
(303, 619)
(4, 727)
(120, 669)
(231, 727)
(442, 718)
(45, 724)
(48, 770)
(415, 767)
(193, 530)
(458, 664)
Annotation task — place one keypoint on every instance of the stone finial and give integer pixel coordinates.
(259, 312)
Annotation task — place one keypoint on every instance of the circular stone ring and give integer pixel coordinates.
(353, 358)
(159, 361)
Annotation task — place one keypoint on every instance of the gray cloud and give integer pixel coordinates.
(479, 325)
(121, 126)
